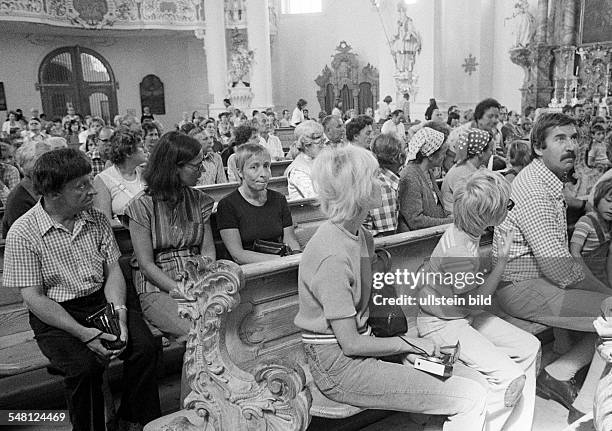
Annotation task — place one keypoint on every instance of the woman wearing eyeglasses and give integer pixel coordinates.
(309, 143)
(252, 212)
(169, 221)
(119, 183)
(457, 291)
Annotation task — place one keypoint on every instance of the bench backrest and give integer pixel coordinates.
(278, 167)
(286, 136)
(218, 191)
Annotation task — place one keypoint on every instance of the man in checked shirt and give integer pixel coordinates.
(63, 257)
(542, 282)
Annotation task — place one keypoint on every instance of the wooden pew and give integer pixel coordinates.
(218, 191)
(286, 136)
(278, 167)
(256, 353)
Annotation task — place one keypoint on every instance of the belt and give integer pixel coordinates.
(315, 338)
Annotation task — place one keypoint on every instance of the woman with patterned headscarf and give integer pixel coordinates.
(474, 150)
(419, 196)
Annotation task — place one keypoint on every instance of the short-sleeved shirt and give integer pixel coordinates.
(214, 173)
(177, 232)
(67, 265)
(266, 222)
(453, 263)
(585, 234)
(335, 278)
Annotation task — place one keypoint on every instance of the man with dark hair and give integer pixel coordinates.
(334, 130)
(395, 126)
(530, 112)
(486, 117)
(359, 131)
(542, 282)
(63, 257)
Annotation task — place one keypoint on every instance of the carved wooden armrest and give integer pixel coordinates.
(273, 396)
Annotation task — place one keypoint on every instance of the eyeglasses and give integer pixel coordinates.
(510, 205)
(104, 140)
(195, 167)
(313, 140)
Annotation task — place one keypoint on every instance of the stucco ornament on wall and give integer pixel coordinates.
(99, 14)
(405, 46)
(469, 64)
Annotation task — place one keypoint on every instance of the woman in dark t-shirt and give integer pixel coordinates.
(252, 211)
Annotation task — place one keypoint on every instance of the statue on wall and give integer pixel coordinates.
(406, 42)
(525, 24)
(241, 59)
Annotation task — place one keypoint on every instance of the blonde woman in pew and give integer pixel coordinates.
(504, 354)
(334, 286)
(252, 212)
(309, 142)
(118, 184)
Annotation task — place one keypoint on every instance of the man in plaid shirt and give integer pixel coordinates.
(63, 257)
(542, 282)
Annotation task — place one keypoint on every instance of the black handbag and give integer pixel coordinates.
(107, 321)
(386, 320)
(271, 247)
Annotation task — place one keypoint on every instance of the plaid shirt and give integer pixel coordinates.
(384, 218)
(97, 164)
(540, 246)
(68, 265)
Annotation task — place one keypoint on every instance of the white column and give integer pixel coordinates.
(258, 33)
(216, 54)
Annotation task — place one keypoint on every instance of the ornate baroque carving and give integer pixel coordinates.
(345, 72)
(98, 14)
(272, 396)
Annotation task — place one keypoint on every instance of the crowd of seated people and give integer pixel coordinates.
(369, 183)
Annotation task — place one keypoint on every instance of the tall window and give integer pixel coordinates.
(301, 6)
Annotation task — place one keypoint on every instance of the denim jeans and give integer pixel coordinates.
(506, 355)
(375, 384)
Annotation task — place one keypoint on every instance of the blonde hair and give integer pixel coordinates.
(344, 178)
(481, 201)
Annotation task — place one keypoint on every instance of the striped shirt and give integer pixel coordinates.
(540, 244)
(176, 232)
(42, 252)
(585, 234)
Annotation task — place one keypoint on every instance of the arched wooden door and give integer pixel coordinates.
(78, 76)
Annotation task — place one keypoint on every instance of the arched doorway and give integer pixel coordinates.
(79, 76)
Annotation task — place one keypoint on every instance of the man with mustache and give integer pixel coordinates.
(542, 282)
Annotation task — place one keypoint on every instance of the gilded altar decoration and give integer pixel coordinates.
(346, 81)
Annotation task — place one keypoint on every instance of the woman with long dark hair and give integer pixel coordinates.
(169, 221)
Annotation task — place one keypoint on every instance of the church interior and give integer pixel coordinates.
(207, 68)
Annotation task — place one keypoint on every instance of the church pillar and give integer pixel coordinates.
(216, 54)
(542, 21)
(568, 35)
(258, 32)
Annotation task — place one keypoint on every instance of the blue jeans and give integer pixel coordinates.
(375, 384)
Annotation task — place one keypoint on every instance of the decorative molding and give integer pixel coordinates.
(104, 14)
(235, 14)
(47, 39)
(273, 395)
